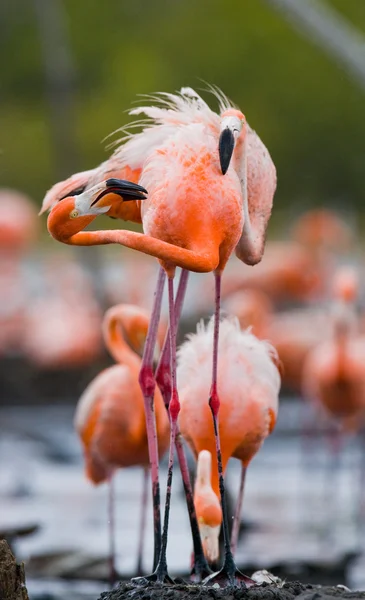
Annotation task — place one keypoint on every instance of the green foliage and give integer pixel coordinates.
(307, 110)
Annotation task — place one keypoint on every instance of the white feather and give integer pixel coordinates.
(170, 112)
(194, 354)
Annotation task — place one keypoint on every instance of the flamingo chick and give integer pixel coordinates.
(110, 417)
(248, 387)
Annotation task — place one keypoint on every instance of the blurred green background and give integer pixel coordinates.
(71, 68)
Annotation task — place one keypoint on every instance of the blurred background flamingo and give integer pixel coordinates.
(110, 417)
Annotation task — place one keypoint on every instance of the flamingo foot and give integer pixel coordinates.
(200, 569)
(160, 575)
(229, 576)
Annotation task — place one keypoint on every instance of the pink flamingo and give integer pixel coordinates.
(18, 222)
(62, 328)
(110, 413)
(333, 374)
(249, 384)
(191, 155)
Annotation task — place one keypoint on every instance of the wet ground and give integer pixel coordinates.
(303, 520)
(286, 591)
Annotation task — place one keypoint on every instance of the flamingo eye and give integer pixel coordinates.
(74, 214)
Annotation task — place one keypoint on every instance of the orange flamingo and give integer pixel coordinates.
(248, 387)
(77, 184)
(62, 327)
(18, 222)
(253, 308)
(333, 374)
(18, 231)
(110, 416)
(190, 153)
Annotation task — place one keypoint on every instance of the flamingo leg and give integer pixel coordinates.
(163, 379)
(147, 383)
(360, 508)
(161, 573)
(237, 515)
(335, 446)
(142, 526)
(229, 574)
(111, 523)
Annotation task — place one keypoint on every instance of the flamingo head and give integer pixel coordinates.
(207, 506)
(72, 186)
(346, 284)
(233, 128)
(99, 198)
(74, 213)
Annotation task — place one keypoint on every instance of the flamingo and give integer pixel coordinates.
(18, 222)
(191, 155)
(253, 308)
(63, 325)
(18, 231)
(249, 384)
(333, 374)
(110, 413)
(76, 184)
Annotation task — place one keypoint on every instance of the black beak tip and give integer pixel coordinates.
(226, 147)
(125, 189)
(123, 184)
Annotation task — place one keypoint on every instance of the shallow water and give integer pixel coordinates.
(302, 512)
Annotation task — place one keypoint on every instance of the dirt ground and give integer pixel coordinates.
(181, 591)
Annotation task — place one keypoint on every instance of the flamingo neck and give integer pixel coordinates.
(344, 330)
(250, 247)
(116, 343)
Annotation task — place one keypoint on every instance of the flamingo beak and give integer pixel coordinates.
(96, 200)
(210, 541)
(123, 188)
(230, 129)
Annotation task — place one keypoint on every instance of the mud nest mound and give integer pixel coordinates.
(265, 591)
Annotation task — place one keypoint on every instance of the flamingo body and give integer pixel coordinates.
(187, 205)
(111, 424)
(110, 418)
(248, 387)
(333, 373)
(335, 376)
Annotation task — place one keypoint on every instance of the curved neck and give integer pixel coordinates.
(116, 343)
(171, 255)
(250, 247)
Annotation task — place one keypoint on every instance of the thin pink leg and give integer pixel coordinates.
(142, 526)
(111, 523)
(229, 574)
(147, 383)
(163, 370)
(237, 515)
(161, 573)
(163, 379)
